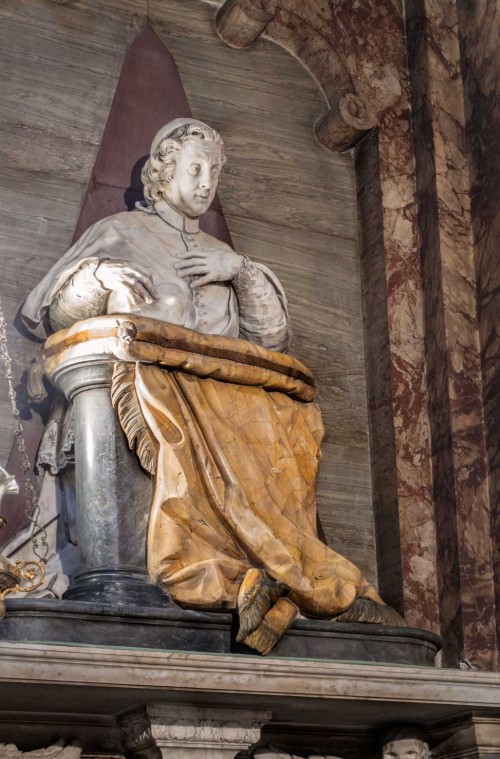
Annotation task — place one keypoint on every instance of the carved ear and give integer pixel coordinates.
(125, 401)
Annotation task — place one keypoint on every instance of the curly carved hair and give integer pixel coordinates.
(403, 732)
(160, 166)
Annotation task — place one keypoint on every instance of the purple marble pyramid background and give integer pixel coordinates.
(149, 94)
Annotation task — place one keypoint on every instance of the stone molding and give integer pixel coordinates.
(247, 676)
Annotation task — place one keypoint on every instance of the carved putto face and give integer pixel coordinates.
(196, 175)
(405, 748)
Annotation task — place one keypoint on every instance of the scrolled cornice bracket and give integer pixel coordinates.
(240, 22)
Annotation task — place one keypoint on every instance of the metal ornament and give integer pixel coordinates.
(13, 575)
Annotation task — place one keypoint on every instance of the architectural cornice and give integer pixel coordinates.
(243, 681)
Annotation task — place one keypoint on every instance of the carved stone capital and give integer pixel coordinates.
(203, 732)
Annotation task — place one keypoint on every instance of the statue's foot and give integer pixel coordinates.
(369, 611)
(273, 626)
(257, 594)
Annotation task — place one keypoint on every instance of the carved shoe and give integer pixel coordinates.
(257, 594)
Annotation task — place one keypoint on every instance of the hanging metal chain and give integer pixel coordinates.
(32, 507)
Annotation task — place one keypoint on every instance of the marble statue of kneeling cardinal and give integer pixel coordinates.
(228, 425)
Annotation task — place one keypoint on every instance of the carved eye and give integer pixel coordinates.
(195, 169)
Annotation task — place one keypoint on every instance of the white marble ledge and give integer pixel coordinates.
(164, 672)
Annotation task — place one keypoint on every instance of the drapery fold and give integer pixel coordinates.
(236, 488)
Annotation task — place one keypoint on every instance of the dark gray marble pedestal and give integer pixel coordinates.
(175, 629)
(113, 493)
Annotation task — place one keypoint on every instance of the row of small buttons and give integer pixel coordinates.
(194, 245)
(198, 299)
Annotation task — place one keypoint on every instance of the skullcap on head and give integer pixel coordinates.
(172, 126)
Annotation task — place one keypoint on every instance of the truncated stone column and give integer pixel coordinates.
(113, 493)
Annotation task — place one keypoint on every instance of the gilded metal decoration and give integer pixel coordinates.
(13, 575)
(20, 576)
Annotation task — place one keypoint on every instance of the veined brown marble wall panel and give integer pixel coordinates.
(291, 204)
(453, 349)
(408, 379)
(401, 456)
(479, 30)
(439, 407)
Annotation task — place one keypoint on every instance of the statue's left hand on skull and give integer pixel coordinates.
(210, 265)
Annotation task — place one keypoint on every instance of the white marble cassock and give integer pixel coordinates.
(252, 307)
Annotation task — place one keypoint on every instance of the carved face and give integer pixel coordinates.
(196, 176)
(405, 748)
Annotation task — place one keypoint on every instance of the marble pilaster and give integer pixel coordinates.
(478, 29)
(459, 457)
(406, 328)
(378, 374)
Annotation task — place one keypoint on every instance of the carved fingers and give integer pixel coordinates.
(210, 265)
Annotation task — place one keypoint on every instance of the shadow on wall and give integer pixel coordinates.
(134, 192)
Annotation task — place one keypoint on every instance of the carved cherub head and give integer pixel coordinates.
(184, 165)
(404, 742)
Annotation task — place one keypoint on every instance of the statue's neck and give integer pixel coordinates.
(176, 219)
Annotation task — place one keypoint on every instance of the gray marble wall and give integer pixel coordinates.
(288, 201)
